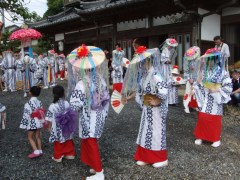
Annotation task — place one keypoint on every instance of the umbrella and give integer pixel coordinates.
(24, 34)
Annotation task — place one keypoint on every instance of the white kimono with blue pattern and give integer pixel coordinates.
(27, 122)
(56, 132)
(152, 131)
(91, 122)
(212, 103)
(117, 62)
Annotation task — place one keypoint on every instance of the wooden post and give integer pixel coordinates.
(114, 35)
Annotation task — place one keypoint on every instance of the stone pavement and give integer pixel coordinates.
(186, 160)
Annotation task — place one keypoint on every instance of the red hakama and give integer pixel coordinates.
(193, 103)
(90, 154)
(208, 127)
(150, 156)
(63, 149)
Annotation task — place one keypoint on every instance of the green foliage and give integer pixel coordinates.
(16, 8)
(44, 44)
(54, 7)
(7, 44)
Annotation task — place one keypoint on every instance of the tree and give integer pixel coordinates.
(13, 45)
(16, 9)
(54, 7)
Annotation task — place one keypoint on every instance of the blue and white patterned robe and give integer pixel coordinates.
(91, 122)
(19, 69)
(28, 122)
(152, 131)
(117, 62)
(56, 132)
(43, 64)
(8, 65)
(212, 103)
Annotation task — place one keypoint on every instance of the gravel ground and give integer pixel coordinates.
(186, 160)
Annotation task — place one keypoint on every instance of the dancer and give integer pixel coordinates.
(212, 90)
(51, 69)
(9, 71)
(151, 94)
(61, 134)
(191, 67)
(91, 99)
(61, 62)
(168, 56)
(173, 88)
(19, 65)
(117, 65)
(43, 64)
(29, 68)
(32, 124)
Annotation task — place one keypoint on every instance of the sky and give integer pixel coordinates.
(39, 6)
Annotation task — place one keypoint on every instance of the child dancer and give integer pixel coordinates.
(62, 138)
(32, 124)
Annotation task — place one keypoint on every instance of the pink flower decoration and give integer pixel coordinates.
(172, 41)
(190, 52)
(211, 50)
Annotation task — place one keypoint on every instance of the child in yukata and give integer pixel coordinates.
(32, 121)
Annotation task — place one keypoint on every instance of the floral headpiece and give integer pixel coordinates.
(82, 51)
(141, 49)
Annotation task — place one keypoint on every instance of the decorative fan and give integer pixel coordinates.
(178, 80)
(126, 61)
(116, 101)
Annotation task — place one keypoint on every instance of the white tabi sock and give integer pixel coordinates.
(36, 152)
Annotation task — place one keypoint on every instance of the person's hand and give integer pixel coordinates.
(190, 81)
(124, 100)
(154, 102)
(213, 90)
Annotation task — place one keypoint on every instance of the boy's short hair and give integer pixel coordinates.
(35, 91)
(118, 44)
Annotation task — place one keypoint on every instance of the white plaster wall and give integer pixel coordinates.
(127, 25)
(59, 37)
(210, 25)
(230, 11)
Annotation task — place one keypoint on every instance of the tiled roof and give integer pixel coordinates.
(85, 8)
(64, 16)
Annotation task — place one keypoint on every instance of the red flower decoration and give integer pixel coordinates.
(211, 50)
(82, 51)
(127, 62)
(185, 97)
(119, 49)
(140, 49)
(178, 79)
(52, 51)
(175, 67)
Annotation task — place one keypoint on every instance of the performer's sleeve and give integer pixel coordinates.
(199, 93)
(186, 76)
(223, 96)
(161, 87)
(226, 50)
(77, 98)
(50, 113)
(164, 56)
